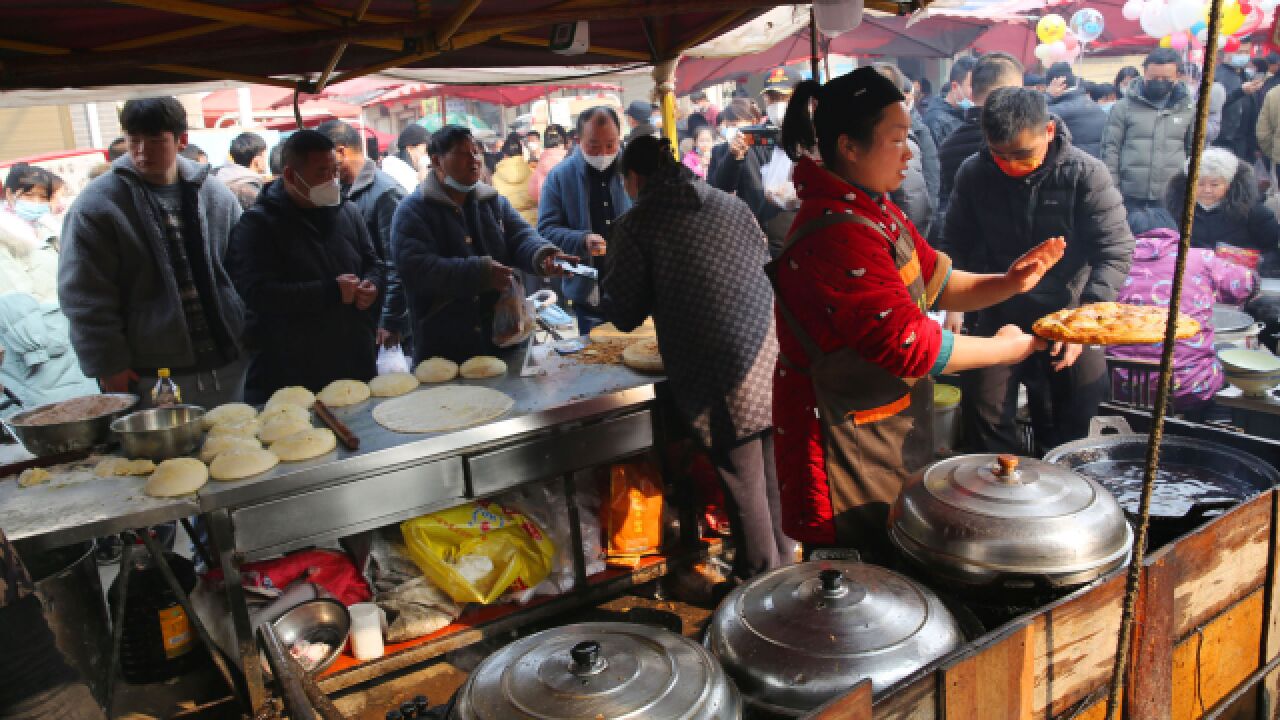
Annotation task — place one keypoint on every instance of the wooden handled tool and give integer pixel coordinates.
(338, 427)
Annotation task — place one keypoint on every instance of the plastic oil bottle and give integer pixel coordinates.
(166, 393)
(158, 642)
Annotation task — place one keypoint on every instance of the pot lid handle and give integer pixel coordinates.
(1007, 469)
(586, 658)
(832, 583)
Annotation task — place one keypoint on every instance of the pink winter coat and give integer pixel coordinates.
(549, 158)
(1209, 279)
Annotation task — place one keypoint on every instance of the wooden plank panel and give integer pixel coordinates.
(917, 701)
(1271, 685)
(1213, 661)
(853, 705)
(1097, 711)
(997, 682)
(1149, 689)
(1222, 563)
(1075, 650)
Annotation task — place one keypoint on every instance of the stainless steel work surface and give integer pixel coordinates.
(568, 393)
(75, 505)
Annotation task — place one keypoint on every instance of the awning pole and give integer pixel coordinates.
(814, 69)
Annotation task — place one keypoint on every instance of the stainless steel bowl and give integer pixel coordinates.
(44, 440)
(323, 620)
(160, 433)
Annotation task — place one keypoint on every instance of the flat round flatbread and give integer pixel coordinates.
(282, 427)
(436, 370)
(441, 409)
(341, 393)
(178, 476)
(297, 412)
(248, 428)
(393, 385)
(305, 445)
(608, 333)
(292, 395)
(482, 367)
(1110, 323)
(215, 446)
(34, 476)
(232, 413)
(643, 356)
(123, 467)
(240, 464)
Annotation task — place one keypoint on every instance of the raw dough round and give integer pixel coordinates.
(643, 356)
(481, 367)
(114, 466)
(341, 393)
(231, 413)
(282, 427)
(248, 428)
(179, 476)
(393, 384)
(436, 370)
(240, 464)
(305, 445)
(215, 446)
(451, 407)
(274, 412)
(292, 395)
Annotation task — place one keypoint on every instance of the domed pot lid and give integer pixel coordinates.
(588, 670)
(978, 516)
(800, 635)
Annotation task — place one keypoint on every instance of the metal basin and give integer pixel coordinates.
(323, 620)
(52, 439)
(160, 433)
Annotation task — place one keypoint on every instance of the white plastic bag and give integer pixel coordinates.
(392, 360)
(512, 316)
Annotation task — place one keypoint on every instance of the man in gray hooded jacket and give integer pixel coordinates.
(141, 275)
(1148, 132)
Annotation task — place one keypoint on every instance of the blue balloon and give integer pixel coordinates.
(1199, 26)
(1087, 24)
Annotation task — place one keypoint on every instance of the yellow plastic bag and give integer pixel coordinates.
(453, 548)
(633, 513)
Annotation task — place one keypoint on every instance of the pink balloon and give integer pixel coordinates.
(1071, 42)
(1178, 41)
(1252, 21)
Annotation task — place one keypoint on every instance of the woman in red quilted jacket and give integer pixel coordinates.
(853, 389)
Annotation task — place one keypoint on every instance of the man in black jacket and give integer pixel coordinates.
(994, 70)
(305, 265)
(376, 194)
(946, 112)
(1070, 101)
(1029, 184)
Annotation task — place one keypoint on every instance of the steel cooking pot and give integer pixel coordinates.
(1233, 327)
(1009, 523)
(1196, 480)
(620, 671)
(796, 637)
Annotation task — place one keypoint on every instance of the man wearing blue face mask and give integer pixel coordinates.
(581, 199)
(305, 264)
(457, 244)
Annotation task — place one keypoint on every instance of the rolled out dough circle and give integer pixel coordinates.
(440, 409)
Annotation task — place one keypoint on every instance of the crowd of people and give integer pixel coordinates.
(812, 259)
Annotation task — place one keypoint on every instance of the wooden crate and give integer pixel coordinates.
(1208, 617)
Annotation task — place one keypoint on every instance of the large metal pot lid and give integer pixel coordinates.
(1007, 486)
(588, 670)
(832, 609)
(1228, 319)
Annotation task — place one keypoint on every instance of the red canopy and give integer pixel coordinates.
(381, 91)
(265, 99)
(882, 36)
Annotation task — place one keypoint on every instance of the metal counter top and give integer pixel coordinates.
(570, 391)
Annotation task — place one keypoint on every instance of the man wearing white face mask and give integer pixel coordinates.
(305, 264)
(141, 276)
(580, 200)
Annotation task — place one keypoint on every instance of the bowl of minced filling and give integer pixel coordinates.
(68, 425)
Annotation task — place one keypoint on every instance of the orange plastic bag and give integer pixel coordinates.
(633, 513)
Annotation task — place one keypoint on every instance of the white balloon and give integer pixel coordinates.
(1132, 10)
(1155, 19)
(1186, 13)
(1043, 53)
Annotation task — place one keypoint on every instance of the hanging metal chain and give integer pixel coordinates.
(1114, 699)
